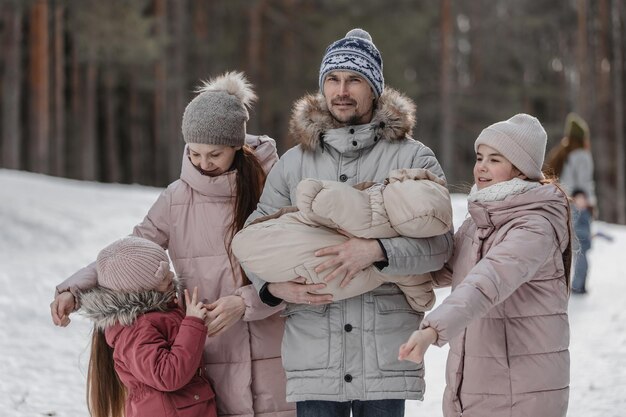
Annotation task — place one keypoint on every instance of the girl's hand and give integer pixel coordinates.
(223, 313)
(61, 307)
(415, 348)
(194, 307)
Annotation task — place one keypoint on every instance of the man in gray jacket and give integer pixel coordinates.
(342, 356)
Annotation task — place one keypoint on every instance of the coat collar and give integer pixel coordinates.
(394, 119)
(546, 200)
(107, 307)
(220, 186)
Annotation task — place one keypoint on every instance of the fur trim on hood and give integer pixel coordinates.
(106, 307)
(310, 118)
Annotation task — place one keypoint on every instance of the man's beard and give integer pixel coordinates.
(352, 120)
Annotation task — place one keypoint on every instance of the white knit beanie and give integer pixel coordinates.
(219, 113)
(132, 264)
(521, 139)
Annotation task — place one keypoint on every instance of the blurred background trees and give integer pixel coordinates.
(95, 90)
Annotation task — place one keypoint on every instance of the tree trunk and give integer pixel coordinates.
(89, 120)
(139, 149)
(582, 61)
(74, 142)
(58, 165)
(159, 165)
(11, 87)
(39, 89)
(291, 59)
(112, 165)
(446, 102)
(618, 105)
(178, 87)
(602, 134)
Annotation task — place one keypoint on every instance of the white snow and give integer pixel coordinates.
(50, 227)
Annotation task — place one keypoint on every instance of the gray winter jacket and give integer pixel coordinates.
(577, 173)
(348, 350)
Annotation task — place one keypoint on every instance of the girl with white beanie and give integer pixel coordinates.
(506, 318)
(195, 218)
(145, 349)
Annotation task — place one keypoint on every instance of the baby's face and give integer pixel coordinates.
(491, 167)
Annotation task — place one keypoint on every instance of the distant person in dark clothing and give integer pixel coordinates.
(581, 219)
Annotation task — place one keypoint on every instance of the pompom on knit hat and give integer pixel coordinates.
(132, 264)
(355, 52)
(219, 113)
(521, 139)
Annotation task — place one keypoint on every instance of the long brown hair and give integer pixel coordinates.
(567, 253)
(558, 155)
(105, 392)
(248, 188)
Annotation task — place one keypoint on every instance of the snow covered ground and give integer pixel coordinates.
(50, 227)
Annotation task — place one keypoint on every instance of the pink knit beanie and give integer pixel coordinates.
(132, 264)
(520, 139)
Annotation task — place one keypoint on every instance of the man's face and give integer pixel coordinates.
(349, 97)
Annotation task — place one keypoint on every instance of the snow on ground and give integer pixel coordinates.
(50, 227)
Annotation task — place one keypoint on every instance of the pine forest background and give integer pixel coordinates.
(95, 89)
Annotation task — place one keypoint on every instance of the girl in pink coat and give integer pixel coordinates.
(506, 318)
(195, 218)
(145, 351)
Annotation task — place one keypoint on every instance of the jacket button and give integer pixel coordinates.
(347, 378)
(347, 327)
(354, 143)
(343, 178)
(196, 397)
(351, 131)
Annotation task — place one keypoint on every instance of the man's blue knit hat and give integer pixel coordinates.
(357, 53)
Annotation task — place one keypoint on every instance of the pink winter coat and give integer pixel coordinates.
(506, 318)
(190, 219)
(141, 367)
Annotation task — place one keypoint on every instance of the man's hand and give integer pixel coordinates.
(223, 313)
(61, 307)
(351, 257)
(298, 292)
(415, 348)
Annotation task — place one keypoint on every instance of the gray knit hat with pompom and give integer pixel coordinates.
(355, 52)
(218, 114)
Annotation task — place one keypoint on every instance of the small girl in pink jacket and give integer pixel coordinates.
(145, 352)
(506, 318)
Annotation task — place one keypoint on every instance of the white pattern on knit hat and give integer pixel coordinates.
(132, 264)
(520, 139)
(355, 52)
(219, 113)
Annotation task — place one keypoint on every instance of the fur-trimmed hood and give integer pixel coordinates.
(106, 307)
(394, 117)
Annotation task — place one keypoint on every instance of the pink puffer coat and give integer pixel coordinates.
(506, 318)
(190, 219)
